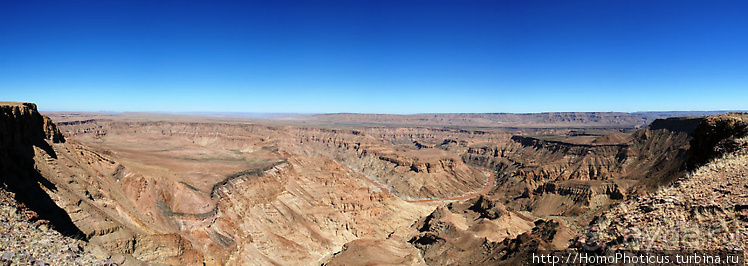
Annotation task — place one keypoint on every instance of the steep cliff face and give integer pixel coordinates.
(706, 209)
(23, 129)
(22, 123)
(550, 177)
(74, 188)
(24, 134)
(716, 136)
(412, 174)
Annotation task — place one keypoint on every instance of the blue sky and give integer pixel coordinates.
(375, 56)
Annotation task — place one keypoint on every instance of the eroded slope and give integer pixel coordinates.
(705, 210)
(244, 193)
(411, 174)
(553, 178)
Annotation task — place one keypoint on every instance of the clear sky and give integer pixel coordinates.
(375, 56)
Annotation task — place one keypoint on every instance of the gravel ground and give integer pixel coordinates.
(707, 210)
(34, 243)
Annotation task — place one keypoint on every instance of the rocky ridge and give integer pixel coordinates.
(411, 174)
(74, 189)
(549, 177)
(707, 209)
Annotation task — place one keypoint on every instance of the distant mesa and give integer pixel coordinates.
(611, 138)
(509, 120)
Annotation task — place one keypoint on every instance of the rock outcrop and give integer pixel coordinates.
(549, 177)
(705, 210)
(716, 136)
(22, 123)
(72, 187)
(24, 134)
(475, 232)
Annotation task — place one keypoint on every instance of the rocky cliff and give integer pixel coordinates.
(410, 173)
(548, 177)
(24, 134)
(717, 136)
(22, 123)
(73, 188)
(704, 210)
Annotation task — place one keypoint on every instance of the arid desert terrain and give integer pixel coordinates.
(365, 189)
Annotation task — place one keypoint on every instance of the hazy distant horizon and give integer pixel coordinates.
(375, 56)
(266, 114)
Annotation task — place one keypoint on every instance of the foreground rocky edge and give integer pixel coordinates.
(26, 236)
(26, 240)
(706, 210)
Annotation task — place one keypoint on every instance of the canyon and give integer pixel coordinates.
(343, 189)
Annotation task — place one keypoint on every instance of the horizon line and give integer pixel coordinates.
(220, 113)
